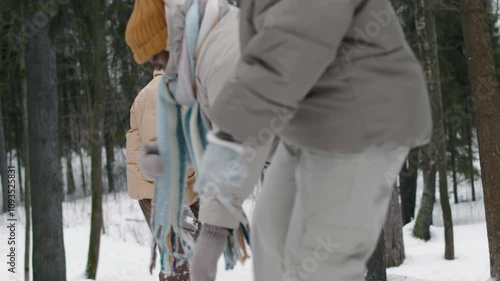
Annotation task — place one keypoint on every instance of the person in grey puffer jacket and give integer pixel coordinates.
(337, 82)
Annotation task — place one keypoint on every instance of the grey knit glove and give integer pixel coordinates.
(150, 162)
(189, 222)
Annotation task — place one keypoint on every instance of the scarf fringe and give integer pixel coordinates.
(181, 136)
(235, 250)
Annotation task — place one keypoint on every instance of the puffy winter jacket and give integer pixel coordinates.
(143, 129)
(327, 75)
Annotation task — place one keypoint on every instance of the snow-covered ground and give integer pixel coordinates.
(125, 248)
(425, 260)
(124, 254)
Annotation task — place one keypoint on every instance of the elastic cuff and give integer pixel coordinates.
(214, 232)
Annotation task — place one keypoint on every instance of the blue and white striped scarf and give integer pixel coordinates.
(182, 137)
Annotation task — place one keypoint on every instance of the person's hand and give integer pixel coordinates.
(221, 167)
(150, 162)
(189, 223)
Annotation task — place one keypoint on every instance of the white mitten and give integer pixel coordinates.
(150, 162)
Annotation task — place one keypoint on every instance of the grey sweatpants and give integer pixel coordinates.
(318, 216)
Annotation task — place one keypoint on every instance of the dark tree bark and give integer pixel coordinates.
(80, 146)
(3, 165)
(96, 188)
(25, 154)
(436, 157)
(70, 179)
(20, 152)
(376, 270)
(429, 152)
(470, 156)
(20, 177)
(3, 160)
(82, 168)
(96, 141)
(110, 159)
(453, 164)
(69, 173)
(486, 103)
(408, 185)
(45, 167)
(393, 232)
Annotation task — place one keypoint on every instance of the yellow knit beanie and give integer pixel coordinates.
(146, 32)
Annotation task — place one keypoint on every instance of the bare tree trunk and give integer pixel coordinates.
(436, 149)
(453, 164)
(439, 134)
(470, 156)
(20, 178)
(3, 159)
(26, 153)
(82, 167)
(110, 159)
(483, 77)
(96, 141)
(69, 172)
(96, 183)
(3, 165)
(424, 217)
(70, 180)
(408, 185)
(393, 232)
(80, 145)
(20, 150)
(45, 167)
(376, 264)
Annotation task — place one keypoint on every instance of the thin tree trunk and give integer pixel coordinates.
(69, 172)
(483, 77)
(376, 264)
(96, 140)
(3, 159)
(45, 167)
(110, 159)
(408, 185)
(80, 145)
(10, 158)
(20, 177)
(96, 187)
(393, 232)
(19, 152)
(440, 136)
(424, 217)
(26, 153)
(426, 29)
(84, 183)
(70, 180)
(470, 156)
(3, 165)
(453, 164)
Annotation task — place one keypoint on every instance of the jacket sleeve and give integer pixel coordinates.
(147, 117)
(294, 43)
(135, 179)
(147, 127)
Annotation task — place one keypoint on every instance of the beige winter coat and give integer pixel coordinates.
(143, 129)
